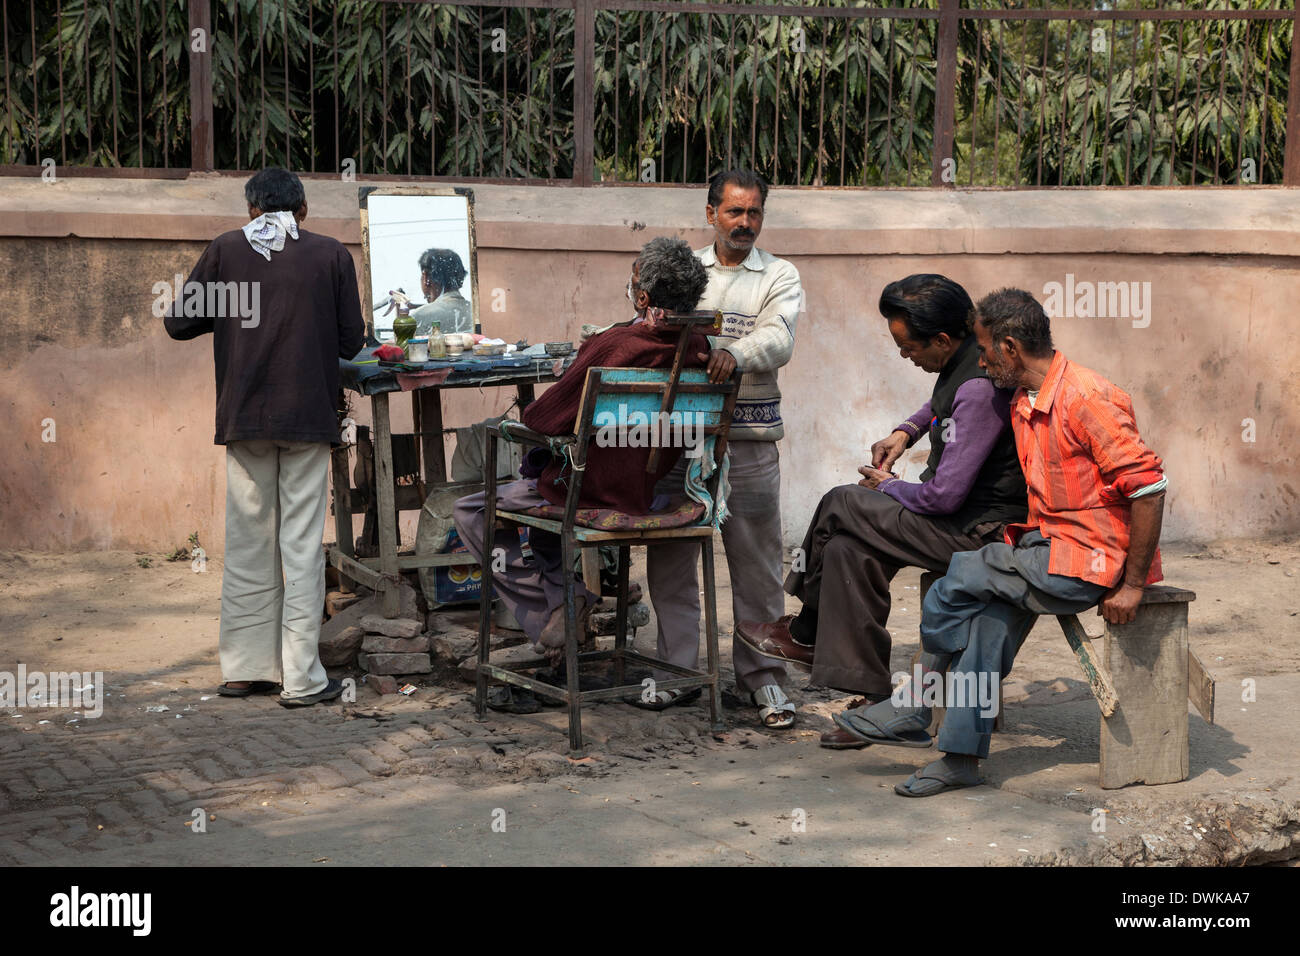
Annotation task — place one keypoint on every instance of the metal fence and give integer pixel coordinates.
(931, 92)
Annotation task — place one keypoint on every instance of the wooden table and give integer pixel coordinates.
(382, 574)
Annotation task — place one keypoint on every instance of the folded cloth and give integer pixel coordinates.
(389, 353)
(266, 233)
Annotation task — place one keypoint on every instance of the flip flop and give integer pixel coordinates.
(902, 730)
(927, 782)
(667, 698)
(254, 687)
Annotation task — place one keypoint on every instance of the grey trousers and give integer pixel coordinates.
(752, 539)
(531, 588)
(980, 612)
(858, 539)
(273, 586)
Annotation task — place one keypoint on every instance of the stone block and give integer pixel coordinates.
(392, 626)
(396, 663)
(378, 644)
(339, 645)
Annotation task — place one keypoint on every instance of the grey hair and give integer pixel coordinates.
(1015, 314)
(671, 275)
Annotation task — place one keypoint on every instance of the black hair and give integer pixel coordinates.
(443, 266)
(928, 304)
(274, 190)
(1014, 313)
(744, 178)
(671, 275)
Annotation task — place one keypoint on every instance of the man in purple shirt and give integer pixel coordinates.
(862, 535)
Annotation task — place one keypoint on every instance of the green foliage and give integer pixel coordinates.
(421, 89)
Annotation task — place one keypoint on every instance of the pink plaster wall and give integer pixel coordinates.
(134, 466)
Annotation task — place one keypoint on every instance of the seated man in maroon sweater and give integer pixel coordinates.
(666, 276)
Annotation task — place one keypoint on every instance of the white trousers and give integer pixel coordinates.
(273, 588)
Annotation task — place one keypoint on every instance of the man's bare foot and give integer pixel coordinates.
(551, 639)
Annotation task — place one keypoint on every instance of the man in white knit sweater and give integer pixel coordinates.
(760, 297)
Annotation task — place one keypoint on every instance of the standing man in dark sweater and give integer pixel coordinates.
(282, 306)
(862, 535)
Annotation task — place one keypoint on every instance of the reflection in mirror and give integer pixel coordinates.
(420, 258)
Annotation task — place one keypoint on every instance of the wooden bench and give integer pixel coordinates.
(1142, 684)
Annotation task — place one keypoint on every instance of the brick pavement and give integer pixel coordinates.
(70, 790)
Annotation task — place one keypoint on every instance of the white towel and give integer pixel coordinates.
(266, 233)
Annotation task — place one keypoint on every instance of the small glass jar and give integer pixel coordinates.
(417, 350)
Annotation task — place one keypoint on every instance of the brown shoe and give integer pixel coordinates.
(774, 640)
(838, 739)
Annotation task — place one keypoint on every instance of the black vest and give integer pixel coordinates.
(999, 490)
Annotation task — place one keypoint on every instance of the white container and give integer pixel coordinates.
(417, 350)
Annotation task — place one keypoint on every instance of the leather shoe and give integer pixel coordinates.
(839, 739)
(774, 640)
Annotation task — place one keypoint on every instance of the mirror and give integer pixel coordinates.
(418, 247)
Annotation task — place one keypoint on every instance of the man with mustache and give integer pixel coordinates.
(760, 297)
(862, 535)
(1096, 501)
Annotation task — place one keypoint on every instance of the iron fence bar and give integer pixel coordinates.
(844, 105)
(36, 91)
(261, 69)
(112, 58)
(1291, 166)
(1196, 106)
(889, 106)
(1065, 113)
(776, 108)
(753, 110)
(1263, 113)
(945, 90)
(201, 138)
(584, 99)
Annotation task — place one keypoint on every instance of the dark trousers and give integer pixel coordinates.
(980, 612)
(858, 539)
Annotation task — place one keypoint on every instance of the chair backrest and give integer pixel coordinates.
(625, 406)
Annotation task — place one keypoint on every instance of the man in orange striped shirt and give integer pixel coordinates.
(1096, 501)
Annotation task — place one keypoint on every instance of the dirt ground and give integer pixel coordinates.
(73, 785)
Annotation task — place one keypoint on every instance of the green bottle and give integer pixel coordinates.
(403, 326)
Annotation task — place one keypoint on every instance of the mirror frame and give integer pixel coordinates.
(363, 195)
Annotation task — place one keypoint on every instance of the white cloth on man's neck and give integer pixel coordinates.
(266, 233)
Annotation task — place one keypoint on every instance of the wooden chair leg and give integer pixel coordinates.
(485, 594)
(571, 646)
(620, 630)
(711, 633)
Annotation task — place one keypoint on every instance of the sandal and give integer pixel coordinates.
(663, 699)
(936, 778)
(883, 723)
(775, 710)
